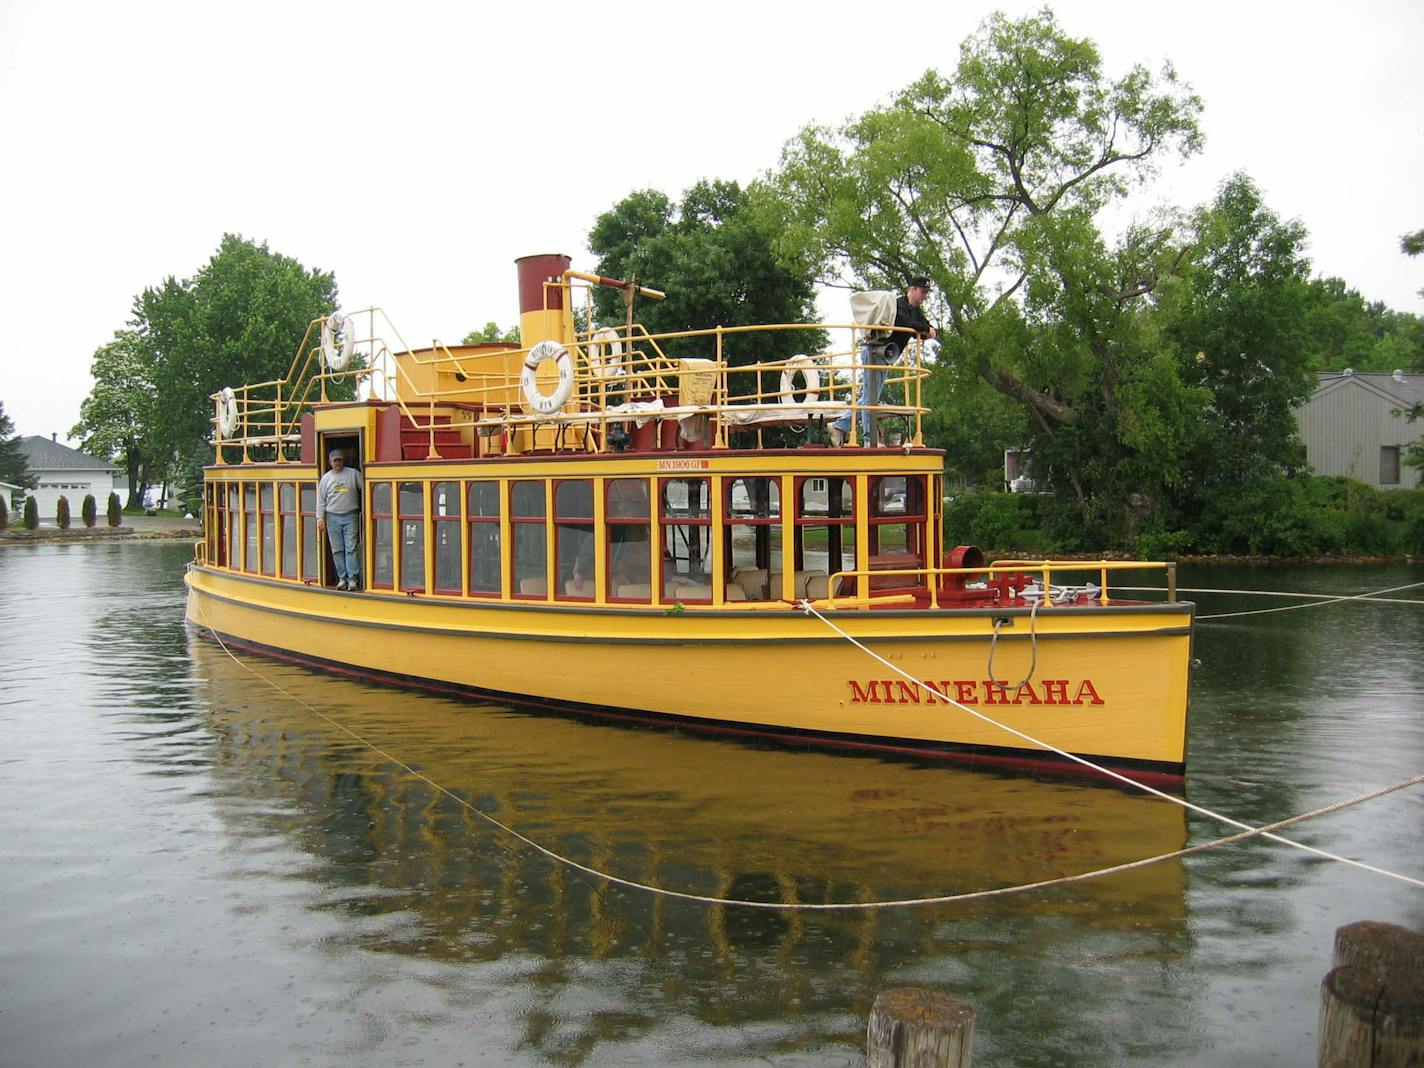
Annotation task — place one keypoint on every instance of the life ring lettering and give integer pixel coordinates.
(336, 353)
(809, 372)
(534, 399)
(227, 412)
(605, 353)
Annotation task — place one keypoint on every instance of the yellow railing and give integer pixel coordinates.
(646, 384)
(1043, 570)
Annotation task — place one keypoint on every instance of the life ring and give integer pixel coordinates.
(809, 371)
(227, 412)
(336, 355)
(605, 353)
(534, 399)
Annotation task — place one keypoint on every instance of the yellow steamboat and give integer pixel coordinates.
(585, 523)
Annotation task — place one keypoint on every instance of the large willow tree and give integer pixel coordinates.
(994, 181)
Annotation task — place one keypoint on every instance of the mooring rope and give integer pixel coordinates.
(810, 609)
(1318, 600)
(806, 906)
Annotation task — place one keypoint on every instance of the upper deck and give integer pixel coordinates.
(574, 385)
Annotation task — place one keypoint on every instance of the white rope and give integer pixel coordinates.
(802, 906)
(1219, 817)
(1319, 599)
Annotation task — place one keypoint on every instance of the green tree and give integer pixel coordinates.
(240, 319)
(118, 419)
(89, 510)
(992, 182)
(492, 332)
(114, 514)
(4, 513)
(13, 468)
(1236, 321)
(712, 254)
(32, 513)
(1344, 330)
(61, 512)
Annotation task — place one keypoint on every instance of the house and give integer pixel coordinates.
(59, 471)
(1356, 425)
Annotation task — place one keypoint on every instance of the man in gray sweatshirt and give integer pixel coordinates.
(338, 512)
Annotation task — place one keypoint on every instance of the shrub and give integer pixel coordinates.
(195, 506)
(4, 513)
(115, 512)
(32, 513)
(61, 512)
(989, 518)
(1162, 544)
(89, 510)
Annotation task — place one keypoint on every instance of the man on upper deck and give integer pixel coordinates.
(877, 354)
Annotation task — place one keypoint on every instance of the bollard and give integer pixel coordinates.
(1372, 1001)
(912, 1028)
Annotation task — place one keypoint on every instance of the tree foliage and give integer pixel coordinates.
(114, 515)
(991, 181)
(713, 256)
(119, 417)
(89, 510)
(32, 513)
(13, 468)
(492, 332)
(241, 319)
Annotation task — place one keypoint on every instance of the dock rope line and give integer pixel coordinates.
(1033, 647)
(808, 906)
(929, 688)
(1317, 600)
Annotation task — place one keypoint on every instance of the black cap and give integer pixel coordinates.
(917, 280)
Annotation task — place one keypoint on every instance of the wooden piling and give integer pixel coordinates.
(912, 1028)
(1372, 1001)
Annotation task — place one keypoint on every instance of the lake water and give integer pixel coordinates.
(197, 869)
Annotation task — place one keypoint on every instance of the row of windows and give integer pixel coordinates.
(538, 539)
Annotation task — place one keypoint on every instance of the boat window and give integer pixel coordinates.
(573, 539)
(528, 500)
(686, 539)
(825, 533)
(897, 531)
(309, 542)
(234, 526)
(269, 529)
(630, 540)
(412, 546)
(445, 535)
(483, 516)
(382, 536)
(250, 525)
(531, 577)
(752, 536)
(287, 510)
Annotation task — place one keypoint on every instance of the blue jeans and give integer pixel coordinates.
(872, 382)
(341, 530)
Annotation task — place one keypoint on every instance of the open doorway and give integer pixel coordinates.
(349, 445)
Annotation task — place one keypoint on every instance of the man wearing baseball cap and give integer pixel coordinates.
(877, 354)
(338, 512)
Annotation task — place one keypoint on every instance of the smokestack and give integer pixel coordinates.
(54, 437)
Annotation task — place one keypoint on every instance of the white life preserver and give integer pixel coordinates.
(227, 412)
(546, 403)
(337, 354)
(605, 353)
(809, 371)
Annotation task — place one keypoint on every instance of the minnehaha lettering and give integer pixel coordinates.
(969, 691)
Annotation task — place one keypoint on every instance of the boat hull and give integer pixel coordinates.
(1105, 682)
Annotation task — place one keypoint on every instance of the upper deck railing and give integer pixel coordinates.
(588, 390)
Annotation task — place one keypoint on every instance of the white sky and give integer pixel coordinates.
(416, 149)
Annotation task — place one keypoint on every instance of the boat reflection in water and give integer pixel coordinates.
(709, 817)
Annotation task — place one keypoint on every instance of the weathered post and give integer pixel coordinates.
(912, 1028)
(1372, 1001)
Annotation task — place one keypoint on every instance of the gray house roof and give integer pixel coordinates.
(44, 454)
(1404, 390)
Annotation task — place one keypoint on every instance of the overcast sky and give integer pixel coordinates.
(416, 149)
